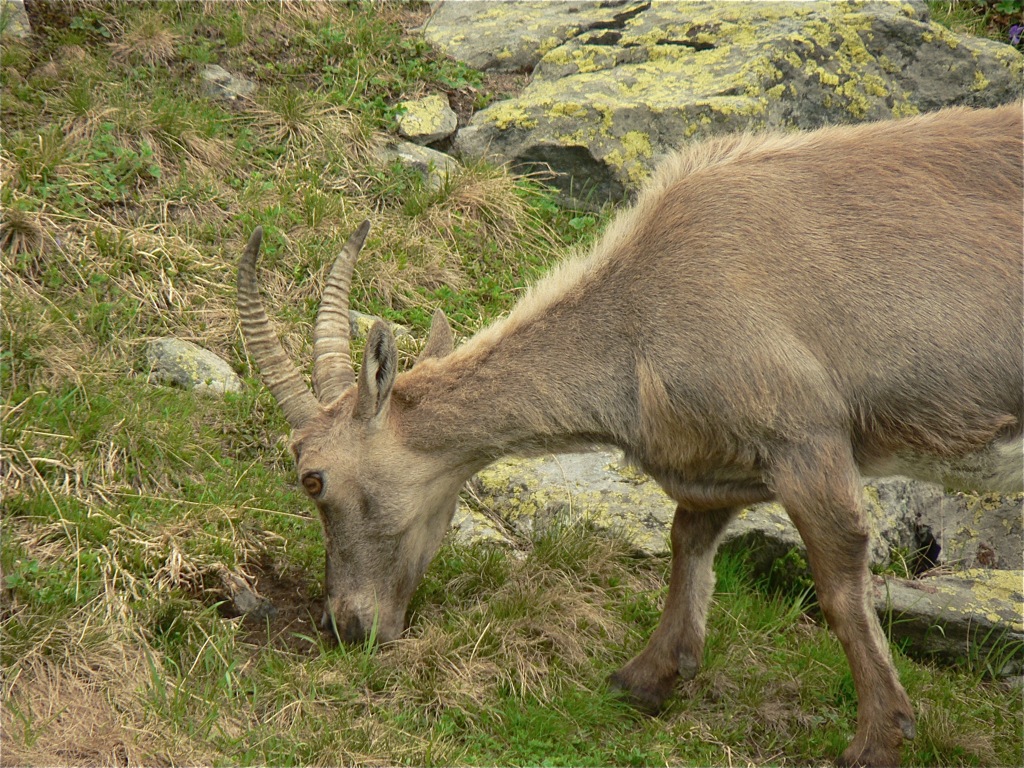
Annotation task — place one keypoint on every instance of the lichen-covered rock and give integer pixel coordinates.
(946, 614)
(976, 614)
(512, 37)
(600, 489)
(435, 167)
(360, 324)
(593, 488)
(977, 531)
(18, 24)
(472, 527)
(181, 363)
(606, 102)
(218, 83)
(427, 120)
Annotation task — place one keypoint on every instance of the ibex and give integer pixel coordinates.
(775, 317)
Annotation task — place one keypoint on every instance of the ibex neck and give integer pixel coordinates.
(544, 386)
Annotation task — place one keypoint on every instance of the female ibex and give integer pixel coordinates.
(772, 319)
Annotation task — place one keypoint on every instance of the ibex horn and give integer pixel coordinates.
(332, 364)
(278, 372)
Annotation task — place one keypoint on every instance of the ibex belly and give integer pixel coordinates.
(999, 467)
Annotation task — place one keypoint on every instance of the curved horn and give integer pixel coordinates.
(278, 372)
(332, 363)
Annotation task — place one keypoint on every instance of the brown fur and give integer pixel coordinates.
(774, 316)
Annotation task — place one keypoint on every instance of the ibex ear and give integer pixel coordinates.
(377, 376)
(440, 340)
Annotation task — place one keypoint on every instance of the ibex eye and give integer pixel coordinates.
(313, 482)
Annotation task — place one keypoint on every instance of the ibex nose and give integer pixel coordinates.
(349, 631)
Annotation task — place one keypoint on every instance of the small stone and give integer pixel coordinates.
(244, 598)
(180, 363)
(435, 167)
(360, 324)
(427, 120)
(218, 83)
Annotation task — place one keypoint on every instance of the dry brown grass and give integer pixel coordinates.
(67, 714)
(23, 233)
(489, 197)
(146, 40)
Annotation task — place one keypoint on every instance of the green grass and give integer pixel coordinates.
(126, 198)
(983, 18)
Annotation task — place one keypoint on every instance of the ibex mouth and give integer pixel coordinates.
(353, 631)
(349, 632)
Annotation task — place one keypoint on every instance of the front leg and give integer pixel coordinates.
(677, 645)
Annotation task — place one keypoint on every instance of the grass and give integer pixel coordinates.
(128, 507)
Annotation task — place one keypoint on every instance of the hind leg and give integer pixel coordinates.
(677, 645)
(820, 489)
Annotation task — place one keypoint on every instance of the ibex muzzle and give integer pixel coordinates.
(774, 318)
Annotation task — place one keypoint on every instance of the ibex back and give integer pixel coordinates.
(775, 317)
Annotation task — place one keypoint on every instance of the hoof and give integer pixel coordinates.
(869, 757)
(649, 700)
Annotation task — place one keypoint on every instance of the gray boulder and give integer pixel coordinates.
(17, 23)
(974, 615)
(600, 489)
(948, 614)
(607, 99)
(976, 531)
(183, 364)
(472, 526)
(513, 37)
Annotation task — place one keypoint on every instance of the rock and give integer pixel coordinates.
(977, 531)
(435, 167)
(218, 83)
(482, 36)
(360, 324)
(47, 16)
(600, 489)
(472, 527)
(244, 598)
(979, 610)
(427, 120)
(606, 101)
(183, 364)
(17, 19)
(595, 488)
(977, 614)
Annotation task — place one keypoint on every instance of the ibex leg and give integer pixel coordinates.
(820, 488)
(677, 645)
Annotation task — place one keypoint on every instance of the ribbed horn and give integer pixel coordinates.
(332, 363)
(278, 372)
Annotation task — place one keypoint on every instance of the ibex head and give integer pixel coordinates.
(384, 508)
